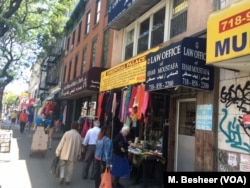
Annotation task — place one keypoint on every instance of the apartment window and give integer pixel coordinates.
(76, 65)
(68, 42)
(129, 44)
(93, 55)
(64, 73)
(98, 10)
(84, 56)
(73, 37)
(143, 36)
(87, 28)
(179, 17)
(79, 32)
(69, 70)
(105, 48)
(157, 34)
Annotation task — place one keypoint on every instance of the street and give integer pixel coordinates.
(20, 170)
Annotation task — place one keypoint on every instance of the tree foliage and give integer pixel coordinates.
(27, 27)
(9, 99)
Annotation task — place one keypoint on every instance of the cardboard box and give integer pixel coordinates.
(39, 146)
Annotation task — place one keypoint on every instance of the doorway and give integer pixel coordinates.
(185, 135)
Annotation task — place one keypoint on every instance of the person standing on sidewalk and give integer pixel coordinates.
(89, 146)
(23, 119)
(69, 150)
(103, 154)
(30, 119)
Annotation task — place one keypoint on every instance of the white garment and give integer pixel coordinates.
(91, 136)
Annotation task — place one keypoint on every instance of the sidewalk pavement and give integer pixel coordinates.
(20, 170)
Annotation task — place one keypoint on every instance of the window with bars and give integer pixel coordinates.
(75, 67)
(179, 17)
(105, 48)
(98, 11)
(87, 27)
(84, 56)
(93, 55)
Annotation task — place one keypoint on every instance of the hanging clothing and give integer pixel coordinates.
(132, 98)
(128, 96)
(64, 114)
(99, 108)
(113, 105)
(145, 103)
(140, 99)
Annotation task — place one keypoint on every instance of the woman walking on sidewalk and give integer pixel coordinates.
(69, 150)
(23, 119)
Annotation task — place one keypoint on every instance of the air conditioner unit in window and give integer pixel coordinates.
(71, 47)
(66, 53)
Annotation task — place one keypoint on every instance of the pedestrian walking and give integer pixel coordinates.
(41, 121)
(89, 147)
(120, 163)
(51, 127)
(103, 154)
(23, 119)
(13, 119)
(69, 150)
(30, 120)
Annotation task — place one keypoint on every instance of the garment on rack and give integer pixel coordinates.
(123, 106)
(140, 99)
(131, 101)
(113, 105)
(145, 103)
(100, 101)
(128, 100)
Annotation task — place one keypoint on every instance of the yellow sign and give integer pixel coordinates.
(228, 32)
(127, 73)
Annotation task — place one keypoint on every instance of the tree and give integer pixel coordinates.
(27, 27)
(9, 99)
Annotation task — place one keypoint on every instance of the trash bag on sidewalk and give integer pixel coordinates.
(55, 166)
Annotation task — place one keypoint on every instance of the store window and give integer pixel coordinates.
(84, 56)
(87, 27)
(93, 54)
(179, 17)
(105, 49)
(98, 11)
(75, 67)
(129, 44)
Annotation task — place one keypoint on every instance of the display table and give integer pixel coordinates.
(142, 157)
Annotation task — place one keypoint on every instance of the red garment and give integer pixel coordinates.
(99, 108)
(85, 129)
(132, 98)
(49, 107)
(23, 117)
(140, 98)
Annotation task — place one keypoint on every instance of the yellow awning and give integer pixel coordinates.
(130, 72)
(228, 36)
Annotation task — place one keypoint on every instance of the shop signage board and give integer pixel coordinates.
(180, 64)
(228, 33)
(204, 117)
(127, 73)
(88, 81)
(117, 7)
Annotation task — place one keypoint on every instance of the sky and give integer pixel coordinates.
(17, 87)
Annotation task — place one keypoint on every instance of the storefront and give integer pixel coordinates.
(179, 73)
(228, 47)
(80, 96)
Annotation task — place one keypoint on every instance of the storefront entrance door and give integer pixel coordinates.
(185, 135)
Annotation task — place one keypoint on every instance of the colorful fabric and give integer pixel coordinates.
(99, 108)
